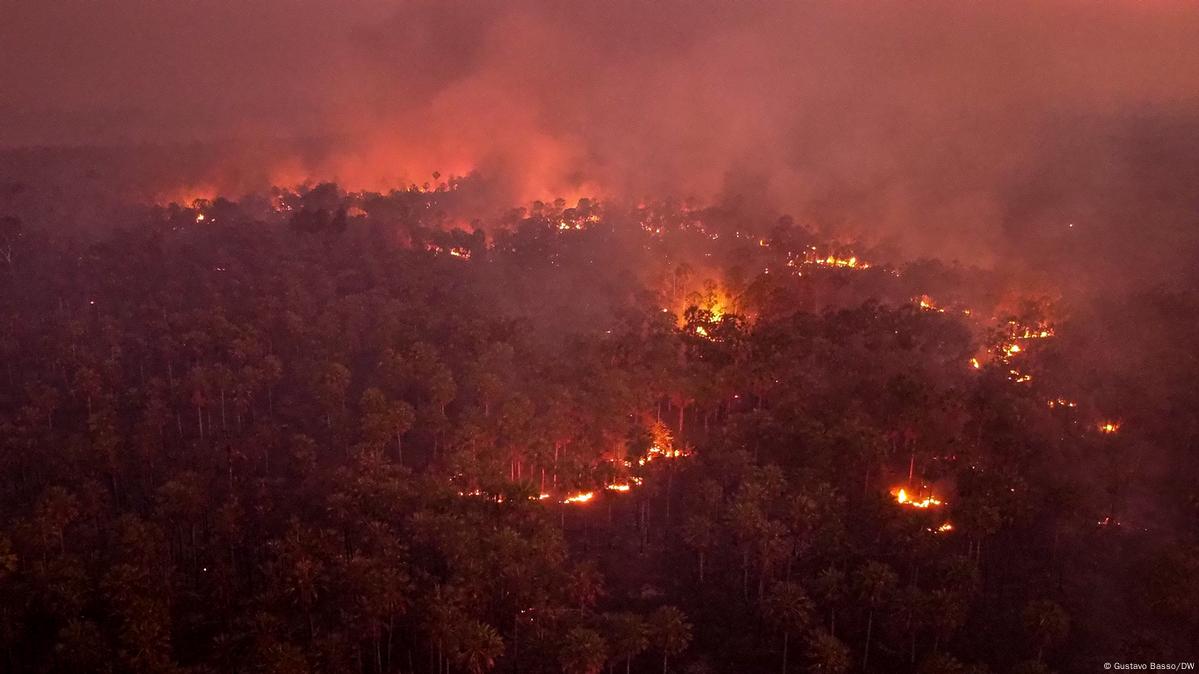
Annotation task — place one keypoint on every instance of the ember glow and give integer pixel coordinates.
(903, 498)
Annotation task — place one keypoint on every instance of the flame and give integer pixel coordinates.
(621, 487)
(1062, 402)
(851, 262)
(1109, 427)
(456, 251)
(655, 452)
(944, 528)
(975, 364)
(581, 497)
(902, 498)
(926, 303)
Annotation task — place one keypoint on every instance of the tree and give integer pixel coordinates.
(826, 654)
(583, 651)
(787, 606)
(699, 533)
(585, 585)
(830, 589)
(628, 636)
(477, 647)
(876, 581)
(385, 421)
(671, 632)
(56, 509)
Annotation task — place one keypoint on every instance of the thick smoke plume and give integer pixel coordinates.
(956, 129)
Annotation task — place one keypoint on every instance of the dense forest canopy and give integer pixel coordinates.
(312, 430)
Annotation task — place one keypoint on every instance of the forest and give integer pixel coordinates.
(313, 430)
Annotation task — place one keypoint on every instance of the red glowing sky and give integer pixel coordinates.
(943, 114)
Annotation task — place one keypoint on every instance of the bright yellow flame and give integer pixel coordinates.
(1109, 427)
(582, 497)
(975, 364)
(902, 498)
(619, 487)
(944, 528)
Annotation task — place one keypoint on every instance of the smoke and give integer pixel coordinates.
(957, 129)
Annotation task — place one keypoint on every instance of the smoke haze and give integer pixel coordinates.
(957, 129)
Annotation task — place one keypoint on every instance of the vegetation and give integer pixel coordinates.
(325, 432)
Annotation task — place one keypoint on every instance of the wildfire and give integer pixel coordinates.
(623, 487)
(851, 262)
(581, 497)
(1011, 349)
(944, 528)
(456, 251)
(1109, 427)
(975, 364)
(902, 498)
(656, 452)
(1019, 377)
(1062, 402)
(926, 303)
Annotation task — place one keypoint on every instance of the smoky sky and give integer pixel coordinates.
(950, 125)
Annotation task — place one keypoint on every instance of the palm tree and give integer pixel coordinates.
(628, 635)
(875, 582)
(789, 609)
(672, 632)
(830, 588)
(583, 652)
(699, 533)
(826, 654)
(478, 646)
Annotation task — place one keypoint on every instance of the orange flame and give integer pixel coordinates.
(902, 498)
